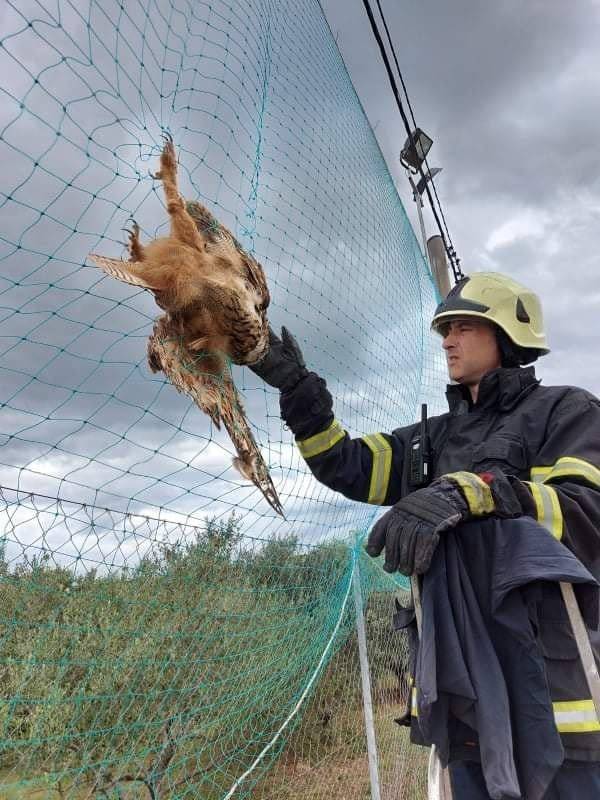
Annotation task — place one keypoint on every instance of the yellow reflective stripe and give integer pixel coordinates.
(576, 716)
(476, 491)
(538, 474)
(570, 467)
(413, 702)
(321, 442)
(567, 467)
(549, 512)
(380, 470)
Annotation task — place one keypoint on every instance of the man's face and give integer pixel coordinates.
(471, 349)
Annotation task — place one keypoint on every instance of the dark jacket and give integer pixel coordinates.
(480, 667)
(548, 436)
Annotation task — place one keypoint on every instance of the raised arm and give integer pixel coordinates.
(367, 468)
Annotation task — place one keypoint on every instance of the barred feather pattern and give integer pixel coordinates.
(206, 379)
(215, 296)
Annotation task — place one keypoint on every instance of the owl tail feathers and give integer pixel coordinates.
(125, 271)
(207, 380)
(249, 461)
(247, 467)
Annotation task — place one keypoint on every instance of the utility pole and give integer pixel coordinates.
(413, 158)
(366, 681)
(439, 264)
(419, 203)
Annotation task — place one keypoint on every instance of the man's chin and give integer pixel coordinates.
(455, 374)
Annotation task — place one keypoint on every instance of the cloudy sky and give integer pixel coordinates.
(510, 93)
(272, 138)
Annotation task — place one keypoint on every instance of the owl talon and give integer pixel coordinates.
(168, 159)
(215, 302)
(135, 249)
(134, 230)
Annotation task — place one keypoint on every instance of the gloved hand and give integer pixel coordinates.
(410, 530)
(283, 366)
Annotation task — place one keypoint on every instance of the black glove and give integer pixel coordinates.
(410, 530)
(283, 366)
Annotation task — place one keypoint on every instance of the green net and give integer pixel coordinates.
(163, 632)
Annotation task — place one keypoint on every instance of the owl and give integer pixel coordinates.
(215, 299)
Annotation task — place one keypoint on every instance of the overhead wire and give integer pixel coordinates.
(412, 116)
(444, 232)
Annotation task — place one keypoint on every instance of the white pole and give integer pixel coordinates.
(419, 204)
(366, 684)
(584, 645)
(438, 777)
(439, 263)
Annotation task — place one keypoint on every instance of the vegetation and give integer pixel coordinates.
(167, 679)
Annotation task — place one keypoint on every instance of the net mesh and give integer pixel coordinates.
(164, 632)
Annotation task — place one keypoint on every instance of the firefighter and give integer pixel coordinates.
(507, 447)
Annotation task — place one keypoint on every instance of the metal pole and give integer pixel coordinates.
(439, 264)
(419, 203)
(366, 683)
(438, 778)
(584, 645)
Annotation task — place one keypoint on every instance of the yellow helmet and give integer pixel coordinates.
(492, 296)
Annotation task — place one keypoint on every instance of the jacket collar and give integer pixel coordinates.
(500, 389)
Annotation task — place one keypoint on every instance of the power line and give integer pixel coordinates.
(431, 180)
(412, 115)
(448, 246)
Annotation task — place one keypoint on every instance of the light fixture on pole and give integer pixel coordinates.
(415, 150)
(413, 157)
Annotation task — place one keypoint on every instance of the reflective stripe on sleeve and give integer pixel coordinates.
(538, 474)
(567, 467)
(476, 491)
(321, 442)
(381, 450)
(576, 716)
(549, 513)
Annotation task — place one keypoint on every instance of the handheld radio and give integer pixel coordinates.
(420, 454)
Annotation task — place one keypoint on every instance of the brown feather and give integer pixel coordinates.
(121, 270)
(207, 380)
(215, 296)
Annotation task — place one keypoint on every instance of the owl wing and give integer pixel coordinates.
(207, 223)
(255, 275)
(196, 375)
(207, 380)
(125, 271)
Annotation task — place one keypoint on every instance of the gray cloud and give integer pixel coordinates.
(510, 93)
(271, 136)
